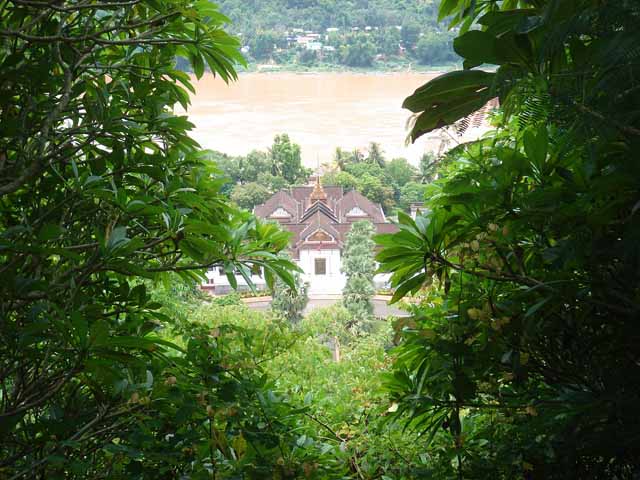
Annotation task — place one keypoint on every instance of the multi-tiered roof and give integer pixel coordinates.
(320, 217)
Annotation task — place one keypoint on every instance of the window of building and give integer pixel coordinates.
(320, 266)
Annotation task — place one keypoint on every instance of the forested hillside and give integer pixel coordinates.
(351, 33)
(321, 14)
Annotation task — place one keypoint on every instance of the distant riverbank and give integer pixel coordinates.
(377, 69)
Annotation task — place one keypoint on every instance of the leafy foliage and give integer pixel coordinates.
(101, 192)
(285, 160)
(379, 180)
(249, 195)
(518, 360)
(343, 399)
(358, 52)
(359, 268)
(412, 192)
(290, 302)
(218, 413)
(401, 171)
(253, 178)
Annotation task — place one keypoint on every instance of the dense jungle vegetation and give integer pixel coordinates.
(377, 34)
(521, 357)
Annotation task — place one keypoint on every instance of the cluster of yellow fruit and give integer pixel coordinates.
(485, 315)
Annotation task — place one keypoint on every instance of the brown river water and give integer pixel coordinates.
(319, 111)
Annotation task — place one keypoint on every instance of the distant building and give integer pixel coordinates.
(319, 218)
(314, 46)
(332, 30)
(303, 40)
(416, 208)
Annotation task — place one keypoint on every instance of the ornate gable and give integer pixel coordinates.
(280, 213)
(319, 236)
(353, 202)
(357, 212)
(281, 200)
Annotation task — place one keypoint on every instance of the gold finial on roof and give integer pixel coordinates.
(318, 194)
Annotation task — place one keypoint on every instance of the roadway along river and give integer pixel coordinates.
(319, 111)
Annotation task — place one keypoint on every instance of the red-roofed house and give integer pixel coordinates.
(319, 218)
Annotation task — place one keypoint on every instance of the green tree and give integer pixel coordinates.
(286, 161)
(373, 188)
(255, 163)
(435, 48)
(271, 182)
(101, 192)
(410, 33)
(401, 171)
(358, 52)
(355, 156)
(249, 195)
(263, 45)
(411, 192)
(307, 57)
(389, 41)
(373, 183)
(428, 167)
(290, 302)
(340, 157)
(229, 168)
(519, 362)
(375, 155)
(342, 179)
(360, 169)
(359, 267)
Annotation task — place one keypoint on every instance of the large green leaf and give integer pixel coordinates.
(448, 98)
(476, 47)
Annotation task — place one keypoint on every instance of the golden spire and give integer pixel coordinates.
(318, 194)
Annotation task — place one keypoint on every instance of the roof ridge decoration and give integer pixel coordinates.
(318, 194)
(320, 207)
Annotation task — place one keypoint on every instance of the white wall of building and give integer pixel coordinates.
(218, 279)
(332, 282)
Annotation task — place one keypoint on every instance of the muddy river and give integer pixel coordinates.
(319, 112)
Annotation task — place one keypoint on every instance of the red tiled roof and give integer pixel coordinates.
(355, 199)
(330, 215)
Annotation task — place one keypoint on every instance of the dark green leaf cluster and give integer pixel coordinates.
(519, 360)
(102, 191)
(289, 302)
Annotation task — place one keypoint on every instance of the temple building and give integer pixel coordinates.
(319, 218)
